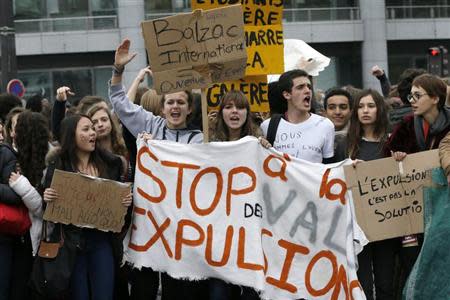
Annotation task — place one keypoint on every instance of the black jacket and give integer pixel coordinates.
(7, 165)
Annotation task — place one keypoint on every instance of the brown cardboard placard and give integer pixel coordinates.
(87, 201)
(193, 50)
(388, 195)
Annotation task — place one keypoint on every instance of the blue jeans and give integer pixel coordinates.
(93, 275)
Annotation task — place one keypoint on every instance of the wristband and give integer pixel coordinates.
(117, 71)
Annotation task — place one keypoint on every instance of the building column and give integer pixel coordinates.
(374, 46)
(131, 13)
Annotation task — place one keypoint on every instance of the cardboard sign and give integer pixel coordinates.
(87, 201)
(263, 33)
(188, 51)
(388, 195)
(261, 219)
(254, 87)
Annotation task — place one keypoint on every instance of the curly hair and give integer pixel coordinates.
(32, 138)
(221, 131)
(118, 144)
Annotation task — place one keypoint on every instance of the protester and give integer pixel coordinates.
(7, 103)
(13, 248)
(338, 105)
(385, 84)
(176, 108)
(299, 132)
(444, 154)
(420, 132)
(365, 140)
(93, 273)
(10, 125)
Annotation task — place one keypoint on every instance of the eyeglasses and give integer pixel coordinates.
(415, 97)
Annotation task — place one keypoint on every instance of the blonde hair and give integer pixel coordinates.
(151, 101)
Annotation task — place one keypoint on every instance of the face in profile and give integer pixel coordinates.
(421, 102)
(85, 135)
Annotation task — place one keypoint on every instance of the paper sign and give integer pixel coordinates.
(388, 195)
(261, 219)
(188, 51)
(263, 33)
(87, 201)
(255, 88)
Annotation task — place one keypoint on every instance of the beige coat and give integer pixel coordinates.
(444, 153)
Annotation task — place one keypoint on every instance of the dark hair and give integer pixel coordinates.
(8, 102)
(405, 83)
(8, 124)
(68, 152)
(118, 144)
(286, 80)
(277, 103)
(221, 132)
(356, 132)
(87, 102)
(32, 138)
(337, 92)
(434, 86)
(34, 103)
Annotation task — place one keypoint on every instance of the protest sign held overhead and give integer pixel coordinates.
(87, 201)
(194, 50)
(263, 33)
(280, 225)
(388, 195)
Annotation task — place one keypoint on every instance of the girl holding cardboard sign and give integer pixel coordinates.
(93, 270)
(365, 140)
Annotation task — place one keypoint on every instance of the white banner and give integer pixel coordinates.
(247, 215)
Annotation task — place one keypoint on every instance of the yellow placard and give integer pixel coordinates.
(254, 87)
(263, 31)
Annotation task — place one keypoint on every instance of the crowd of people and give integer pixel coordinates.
(97, 137)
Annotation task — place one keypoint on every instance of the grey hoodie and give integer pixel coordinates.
(138, 120)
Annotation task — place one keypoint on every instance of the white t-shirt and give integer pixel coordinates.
(311, 140)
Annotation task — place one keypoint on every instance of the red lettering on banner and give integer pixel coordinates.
(291, 250)
(326, 255)
(180, 240)
(226, 250)
(326, 186)
(142, 151)
(241, 254)
(282, 172)
(180, 167)
(159, 234)
(354, 284)
(268, 233)
(219, 187)
(231, 191)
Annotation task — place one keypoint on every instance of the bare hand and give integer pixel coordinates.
(212, 115)
(63, 93)
(13, 177)
(265, 143)
(377, 71)
(127, 200)
(50, 195)
(356, 161)
(145, 136)
(398, 156)
(145, 71)
(123, 55)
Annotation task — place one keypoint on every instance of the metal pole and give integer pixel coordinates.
(8, 44)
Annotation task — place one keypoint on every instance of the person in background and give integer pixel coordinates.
(365, 141)
(421, 131)
(384, 80)
(10, 125)
(338, 105)
(7, 103)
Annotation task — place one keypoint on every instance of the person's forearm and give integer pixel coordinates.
(131, 94)
(116, 79)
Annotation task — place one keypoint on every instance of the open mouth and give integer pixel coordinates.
(92, 141)
(307, 100)
(234, 118)
(175, 115)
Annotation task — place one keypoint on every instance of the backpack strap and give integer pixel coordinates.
(191, 136)
(273, 127)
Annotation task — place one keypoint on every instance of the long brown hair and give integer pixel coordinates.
(118, 144)
(356, 131)
(221, 131)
